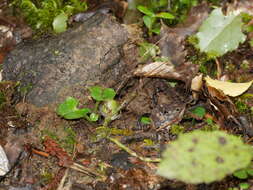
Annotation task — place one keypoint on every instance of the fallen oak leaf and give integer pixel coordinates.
(228, 88)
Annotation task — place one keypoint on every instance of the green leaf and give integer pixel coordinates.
(145, 120)
(60, 23)
(204, 157)
(68, 109)
(165, 15)
(199, 111)
(100, 94)
(209, 121)
(251, 42)
(156, 30)
(220, 34)
(146, 11)
(148, 21)
(241, 174)
(94, 117)
(96, 93)
(250, 171)
(108, 94)
(244, 186)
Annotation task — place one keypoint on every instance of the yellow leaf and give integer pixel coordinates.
(228, 88)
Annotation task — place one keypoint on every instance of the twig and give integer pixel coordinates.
(41, 153)
(132, 153)
(219, 70)
(85, 170)
(60, 187)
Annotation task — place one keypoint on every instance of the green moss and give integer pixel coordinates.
(245, 65)
(64, 136)
(2, 99)
(41, 14)
(176, 129)
(46, 176)
(69, 141)
(206, 64)
(25, 89)
(241, 106)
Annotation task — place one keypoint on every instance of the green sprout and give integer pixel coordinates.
(109, 108)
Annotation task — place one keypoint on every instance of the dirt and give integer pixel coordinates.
(47, 152)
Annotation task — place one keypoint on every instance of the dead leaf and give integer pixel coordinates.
(217, 93)
(197, 83)
(54, 149)
(228, 88)
(167, 70)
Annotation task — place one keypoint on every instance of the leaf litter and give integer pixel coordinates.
(168, 103)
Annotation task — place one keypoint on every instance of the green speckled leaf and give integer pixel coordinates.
(204, 157)
(220, 34)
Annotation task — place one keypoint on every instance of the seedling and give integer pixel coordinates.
(145, 120)
(68, 109)
(243, 173)
(151, 18)
(199, 112)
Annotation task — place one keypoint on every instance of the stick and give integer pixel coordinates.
(132, 153)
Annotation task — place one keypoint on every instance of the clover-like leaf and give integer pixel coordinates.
(220, 34)
(108, 94)
(102, 94)
(96, 92)
(204, 157)
(68, 109)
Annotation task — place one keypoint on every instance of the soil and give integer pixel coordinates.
(47, 152)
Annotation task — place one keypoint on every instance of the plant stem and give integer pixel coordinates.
(132, 153)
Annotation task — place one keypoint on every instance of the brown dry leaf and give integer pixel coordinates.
(228, 88)
(216, 93)
(197, 83)
(54, 149)
(167, 70)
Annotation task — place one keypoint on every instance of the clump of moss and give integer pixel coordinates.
(244, 104)
(41, 14)
(46, 176)
(206, 64)
(177, 129)
(210, 126)
(65, 137)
